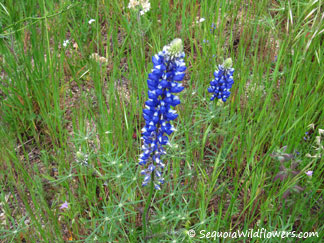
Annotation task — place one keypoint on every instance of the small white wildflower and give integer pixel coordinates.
(321, 131)
(65, 43)
(91, 21)
(200, 20)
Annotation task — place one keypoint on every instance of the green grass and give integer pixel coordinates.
(56, 101)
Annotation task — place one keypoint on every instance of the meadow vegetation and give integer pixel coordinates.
(72, 93)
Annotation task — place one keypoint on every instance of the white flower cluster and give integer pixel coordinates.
(143, 5)
(91, 21)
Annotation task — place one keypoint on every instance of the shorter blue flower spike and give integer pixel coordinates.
(223, 82)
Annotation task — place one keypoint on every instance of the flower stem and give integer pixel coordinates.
(147, 206)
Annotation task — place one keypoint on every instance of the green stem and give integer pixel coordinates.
(147, 206)
(204, 141)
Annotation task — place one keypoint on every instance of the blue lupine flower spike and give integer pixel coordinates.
(163, 82)
(221, 85)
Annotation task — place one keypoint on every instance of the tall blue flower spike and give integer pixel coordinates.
(163, 82)
(221, 85)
